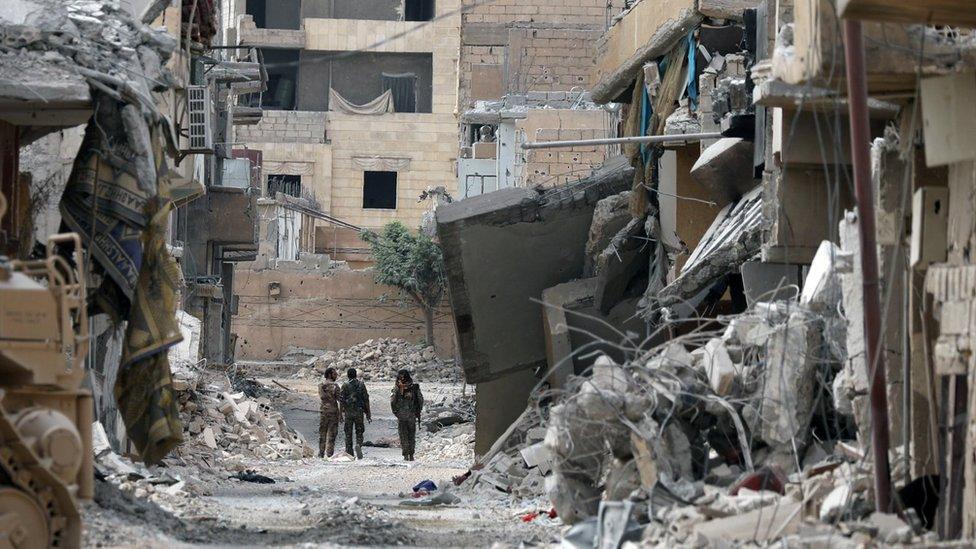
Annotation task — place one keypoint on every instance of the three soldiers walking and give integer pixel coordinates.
(349, 404)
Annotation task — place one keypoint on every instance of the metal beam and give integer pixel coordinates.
(678, 138)
(857, 93)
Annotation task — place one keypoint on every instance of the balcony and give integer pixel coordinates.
(250, 35)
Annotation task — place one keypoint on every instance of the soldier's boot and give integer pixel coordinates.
(359, 452)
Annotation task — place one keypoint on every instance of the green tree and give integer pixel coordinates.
(412, 263)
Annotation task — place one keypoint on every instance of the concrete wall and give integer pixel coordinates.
(278, 14)
(497, 404)
(552, 167)
(376, 10)
(284, 127)
(516, 47)
(323, 310)
(501, 251)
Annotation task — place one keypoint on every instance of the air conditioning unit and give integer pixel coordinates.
(200, 126)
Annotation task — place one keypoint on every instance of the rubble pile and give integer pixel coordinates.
(447, 428)
(380, 359)
(729, 433)
(452, 443)
(228, 428)
(518, 461)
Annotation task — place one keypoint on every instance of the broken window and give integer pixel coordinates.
(404, 88)
(379, 190)
(282, 67)
(418, 10)
(285, 184)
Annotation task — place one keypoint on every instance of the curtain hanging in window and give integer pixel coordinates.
(404, 89)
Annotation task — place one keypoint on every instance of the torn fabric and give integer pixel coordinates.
(144, 388)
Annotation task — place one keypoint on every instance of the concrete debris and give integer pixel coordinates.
(682, 121)
(222, 429)
(706, 438)
(725, 169)
(380, 359)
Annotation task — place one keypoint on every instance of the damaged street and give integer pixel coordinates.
(607, 274)
(249, 500)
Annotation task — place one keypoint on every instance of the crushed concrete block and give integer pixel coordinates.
(609, 216)
(789, 386)
(719, 367)
(891, 529)
(760, 525)
(725, 169)
(208, 438)
(537, 455)
(822, 286)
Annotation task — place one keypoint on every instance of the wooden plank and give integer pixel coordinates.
(958, 13)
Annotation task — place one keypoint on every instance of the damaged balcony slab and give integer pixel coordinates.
(733, 238)
(40, 93)
(725, 169)
(774, 93)
(810, 58)
(501, 250)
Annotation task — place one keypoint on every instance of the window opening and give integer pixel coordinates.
(418, 10)
(379, 190)
(404, 88)
(285, 184)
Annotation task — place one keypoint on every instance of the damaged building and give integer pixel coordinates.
(764, 166)
(525, 74)
(708, 272)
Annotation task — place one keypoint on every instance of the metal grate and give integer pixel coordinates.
(199, 127)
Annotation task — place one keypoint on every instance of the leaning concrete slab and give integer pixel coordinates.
(501, 250)
(576, 330)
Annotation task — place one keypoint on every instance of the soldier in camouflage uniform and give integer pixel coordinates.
(354, 405)
(407, 402)
(329, 413)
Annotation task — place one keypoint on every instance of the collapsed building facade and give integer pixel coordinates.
(791, 242)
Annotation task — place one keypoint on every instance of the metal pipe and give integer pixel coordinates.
(620, 140)
(860, 137)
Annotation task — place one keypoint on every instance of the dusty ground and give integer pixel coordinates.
(318, 502)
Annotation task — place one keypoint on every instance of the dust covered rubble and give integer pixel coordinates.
(380, 359)
(226, 429)
(447, 429)
(730, 434)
